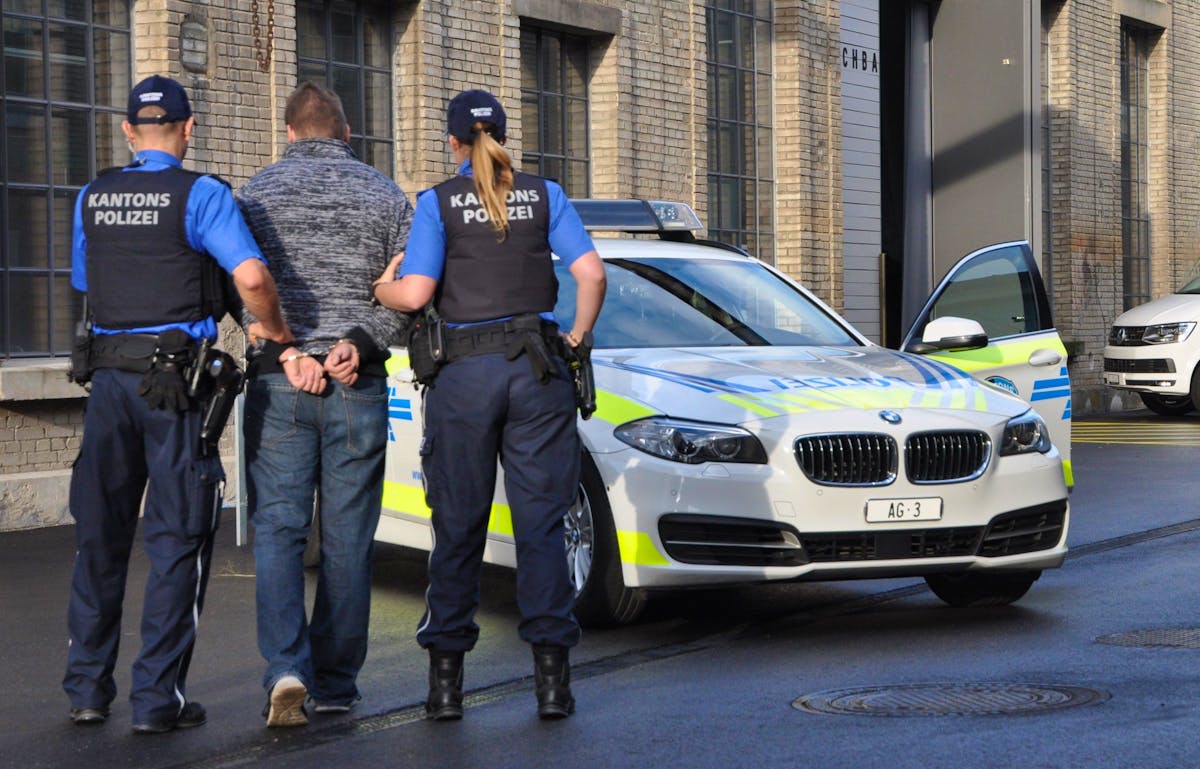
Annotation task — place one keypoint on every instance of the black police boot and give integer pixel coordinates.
(445, 701)
(552, 675)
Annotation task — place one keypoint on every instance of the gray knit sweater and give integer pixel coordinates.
(328, 224)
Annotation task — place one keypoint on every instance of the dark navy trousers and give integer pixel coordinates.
(479, 408)
(129, 448)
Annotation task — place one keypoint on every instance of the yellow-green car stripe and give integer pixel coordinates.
(410, 500)
(637, 548)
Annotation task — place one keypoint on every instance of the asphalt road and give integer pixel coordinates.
(708, 679)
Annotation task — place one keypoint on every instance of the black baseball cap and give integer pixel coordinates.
(159, 91)
(471, 107)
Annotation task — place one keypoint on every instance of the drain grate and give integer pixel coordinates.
(1180, 638)
(971, 699)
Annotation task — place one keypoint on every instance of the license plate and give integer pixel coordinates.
(1112, 379)
(898, 510)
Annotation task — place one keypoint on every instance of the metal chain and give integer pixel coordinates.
(263, 57)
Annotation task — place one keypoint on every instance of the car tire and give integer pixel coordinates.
(1168, 405)
(981, 589)
(593, 557)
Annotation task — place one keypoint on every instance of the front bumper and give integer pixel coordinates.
(1160, 369)
(712, 525)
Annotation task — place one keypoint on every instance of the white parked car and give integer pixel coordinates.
(1153, 350)
(745, 433)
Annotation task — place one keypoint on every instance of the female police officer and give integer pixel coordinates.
(480, 248)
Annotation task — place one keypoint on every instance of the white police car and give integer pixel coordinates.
(746, 433)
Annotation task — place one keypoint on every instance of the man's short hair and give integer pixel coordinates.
(315, 112)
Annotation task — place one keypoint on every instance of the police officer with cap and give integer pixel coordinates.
(480, 249)
(153, 244)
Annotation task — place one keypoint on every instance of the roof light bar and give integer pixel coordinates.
(637, 216)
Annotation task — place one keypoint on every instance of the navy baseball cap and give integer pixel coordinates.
(470, 107)
(159, 91)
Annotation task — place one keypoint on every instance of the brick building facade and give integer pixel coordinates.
(735, 106)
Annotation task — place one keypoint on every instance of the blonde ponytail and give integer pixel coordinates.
(493, 173)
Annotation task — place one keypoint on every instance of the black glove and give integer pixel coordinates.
(165, 385)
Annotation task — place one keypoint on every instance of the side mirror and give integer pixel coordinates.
(950, 334)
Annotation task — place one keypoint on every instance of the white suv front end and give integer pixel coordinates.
(1154, 350)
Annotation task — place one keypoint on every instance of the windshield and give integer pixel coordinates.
(1192, 287)
(671, 302)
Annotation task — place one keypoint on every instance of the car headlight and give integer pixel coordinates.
(692, 442)
(1024, 434)
(1167, 333)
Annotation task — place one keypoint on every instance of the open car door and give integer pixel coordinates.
(1001, 289)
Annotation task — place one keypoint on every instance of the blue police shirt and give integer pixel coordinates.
(426, 250)
(213, 224)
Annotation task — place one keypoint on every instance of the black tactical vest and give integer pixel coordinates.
(486, 278)
(141, 270)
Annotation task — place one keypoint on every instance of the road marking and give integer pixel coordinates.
(1137, 433)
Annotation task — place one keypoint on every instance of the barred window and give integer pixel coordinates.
(66, 68)
(1135, 215)
(554, 108)
(347, 47)
(741, 150)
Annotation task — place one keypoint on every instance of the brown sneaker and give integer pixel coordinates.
(286, 704)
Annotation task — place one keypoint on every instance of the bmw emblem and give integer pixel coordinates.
(891, 417)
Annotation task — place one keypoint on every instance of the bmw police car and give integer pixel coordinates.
(746, 433)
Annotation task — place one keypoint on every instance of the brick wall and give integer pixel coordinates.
(39, 436)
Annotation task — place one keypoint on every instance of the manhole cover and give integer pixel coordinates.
(948, 699)
(1181, 638)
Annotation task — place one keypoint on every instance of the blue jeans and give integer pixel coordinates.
(297, 445)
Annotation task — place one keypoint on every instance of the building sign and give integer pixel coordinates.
(860, 59)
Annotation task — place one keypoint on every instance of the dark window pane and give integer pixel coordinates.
(379, 155)
(314, 71)
(67, 309)
(68, 63)
(552, 131)
(69, 129)
(345, 85)
(111, 68)
(529, 68)
(25, 140)
(530, 119)
(577, 128)
(23, 6)
(379, 104)
(310, 31)
(23, 58)
(722, 30)
(28, 225)
(552, 168)
(376, 48)
(76, 10)
(727, 95)
(577, 67)
(745, 40)
(552, 77)
(113, 13)
(762, 100)
(112, 149)
(29, 314)
(762, 46)
(63, 216)
(344, 39)
(578, 179)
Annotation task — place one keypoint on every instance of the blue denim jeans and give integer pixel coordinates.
(330, 446)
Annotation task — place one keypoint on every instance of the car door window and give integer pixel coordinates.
(996, 289)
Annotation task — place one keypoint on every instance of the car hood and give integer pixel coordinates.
(1172, 308)
(739, 385)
